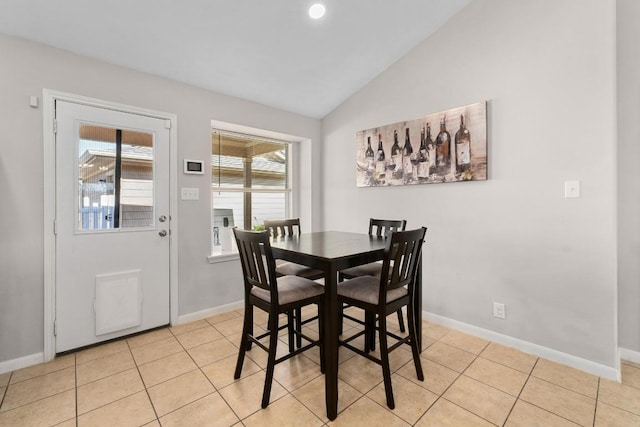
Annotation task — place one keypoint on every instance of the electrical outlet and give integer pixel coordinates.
(498, 310)
(572, 189)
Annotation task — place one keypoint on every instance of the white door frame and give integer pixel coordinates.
(48, 105)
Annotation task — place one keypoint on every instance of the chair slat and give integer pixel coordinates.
(283, 227)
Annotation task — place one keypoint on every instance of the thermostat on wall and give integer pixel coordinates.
(194, 167)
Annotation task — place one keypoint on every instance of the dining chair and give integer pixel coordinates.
(285, 228)
(382, 295)
(274, 295)
(377, 228)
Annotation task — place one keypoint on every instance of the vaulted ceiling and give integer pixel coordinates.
(267, 51)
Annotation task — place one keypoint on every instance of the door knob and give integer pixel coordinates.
(162, 218)
(162, 233)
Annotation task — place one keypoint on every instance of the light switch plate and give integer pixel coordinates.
(190, 194)
(571, 189)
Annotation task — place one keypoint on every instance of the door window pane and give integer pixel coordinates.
(115, 178)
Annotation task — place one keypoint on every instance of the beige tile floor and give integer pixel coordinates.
(183, 376)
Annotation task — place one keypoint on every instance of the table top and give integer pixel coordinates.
(330, 245)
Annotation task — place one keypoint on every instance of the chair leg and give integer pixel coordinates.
(271, 361)
(245, 343)
(401, 321)
(340, 309)
(250, 326)
(290, 328)
(369, 332)
(321, 335)
(384, 358)
(298, 318)
(414, 342)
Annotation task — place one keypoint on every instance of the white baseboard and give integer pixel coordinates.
(202, 314)
(630, 355)
(535, 349)
(21, 362)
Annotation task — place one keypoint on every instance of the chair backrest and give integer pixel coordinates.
(258, 265)
(401, 256)
(382, 227)
(283, 227)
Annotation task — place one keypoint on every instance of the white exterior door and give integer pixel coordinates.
(112, 224)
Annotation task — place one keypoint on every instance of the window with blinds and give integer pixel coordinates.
(249, 183)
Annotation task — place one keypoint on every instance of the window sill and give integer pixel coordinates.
(214, 259)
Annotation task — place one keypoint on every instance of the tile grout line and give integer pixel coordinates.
(541, 408)
(385, 408)
(635, 368)
(146, 389)
(290, 393)
(520, 392)
(309, 409)
(40, 399)
(42, 374)
(433, 361)
(635, 414)
(430, 406)
(6, 389)
(462, 374)
(530, 374)
(568, 389)
(205, 375)
(511, 367)
(75, 375)
(553, 413)
(210, 382)
(459, 374)
(595, 412)
(305, 406)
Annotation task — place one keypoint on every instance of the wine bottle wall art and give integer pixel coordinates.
(448, 146)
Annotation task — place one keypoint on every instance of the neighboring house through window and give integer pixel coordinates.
(249, 183)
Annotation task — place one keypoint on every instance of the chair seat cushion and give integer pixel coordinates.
(367, 289)
(371, 269)
(290, 289)
(286, 268)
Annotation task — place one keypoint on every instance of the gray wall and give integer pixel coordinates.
(547, 70)
(25, 69)
(628, 15)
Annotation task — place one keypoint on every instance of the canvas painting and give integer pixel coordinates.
(448, 146)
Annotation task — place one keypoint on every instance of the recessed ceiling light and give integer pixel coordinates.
(317, 11)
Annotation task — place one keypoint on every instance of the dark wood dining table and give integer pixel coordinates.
(332, 251)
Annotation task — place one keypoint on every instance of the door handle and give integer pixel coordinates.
(162, 233)
(162, 218)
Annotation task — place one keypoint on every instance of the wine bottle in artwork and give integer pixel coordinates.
(370, 158)
(443, 149)
(381, 160)
(423, 158)
(463, 148)
(396, 158)
(431, 150)
(407, 158)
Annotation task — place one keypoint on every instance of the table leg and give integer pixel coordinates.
(331, 341)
